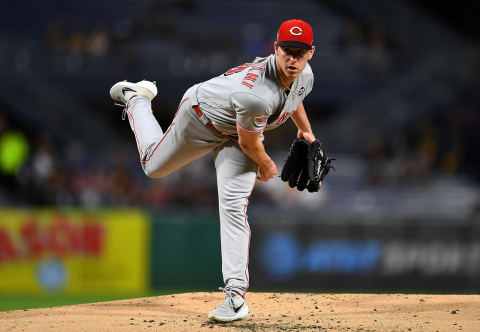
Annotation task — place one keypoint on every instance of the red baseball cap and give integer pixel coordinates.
(295, 33)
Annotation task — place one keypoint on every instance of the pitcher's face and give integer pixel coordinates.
(291, 60)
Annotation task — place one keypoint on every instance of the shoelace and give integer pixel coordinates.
(124, 111)
(228, 301)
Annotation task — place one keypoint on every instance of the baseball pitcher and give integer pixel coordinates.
(227, 115)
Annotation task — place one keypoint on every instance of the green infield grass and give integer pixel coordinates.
(22, 302)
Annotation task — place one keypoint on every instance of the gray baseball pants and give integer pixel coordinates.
(185, 140)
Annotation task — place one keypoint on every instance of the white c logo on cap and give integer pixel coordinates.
(299, 33)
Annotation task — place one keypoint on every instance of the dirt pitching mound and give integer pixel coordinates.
(268, 312)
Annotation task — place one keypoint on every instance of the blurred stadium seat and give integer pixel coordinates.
(394, 100)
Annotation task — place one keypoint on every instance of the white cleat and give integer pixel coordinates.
(124, 91)
(233, 307)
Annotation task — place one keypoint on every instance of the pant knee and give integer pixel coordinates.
(234, 210)
(153, 172)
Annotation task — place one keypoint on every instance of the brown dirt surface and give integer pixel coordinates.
(268, 312)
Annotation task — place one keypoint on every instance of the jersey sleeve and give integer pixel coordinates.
(251, 111)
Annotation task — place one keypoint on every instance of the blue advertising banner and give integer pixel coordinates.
(403, 257)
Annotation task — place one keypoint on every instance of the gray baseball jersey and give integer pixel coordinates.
(251, 96)
(206, 120)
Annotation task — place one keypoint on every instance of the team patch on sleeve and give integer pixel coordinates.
(261, 120)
